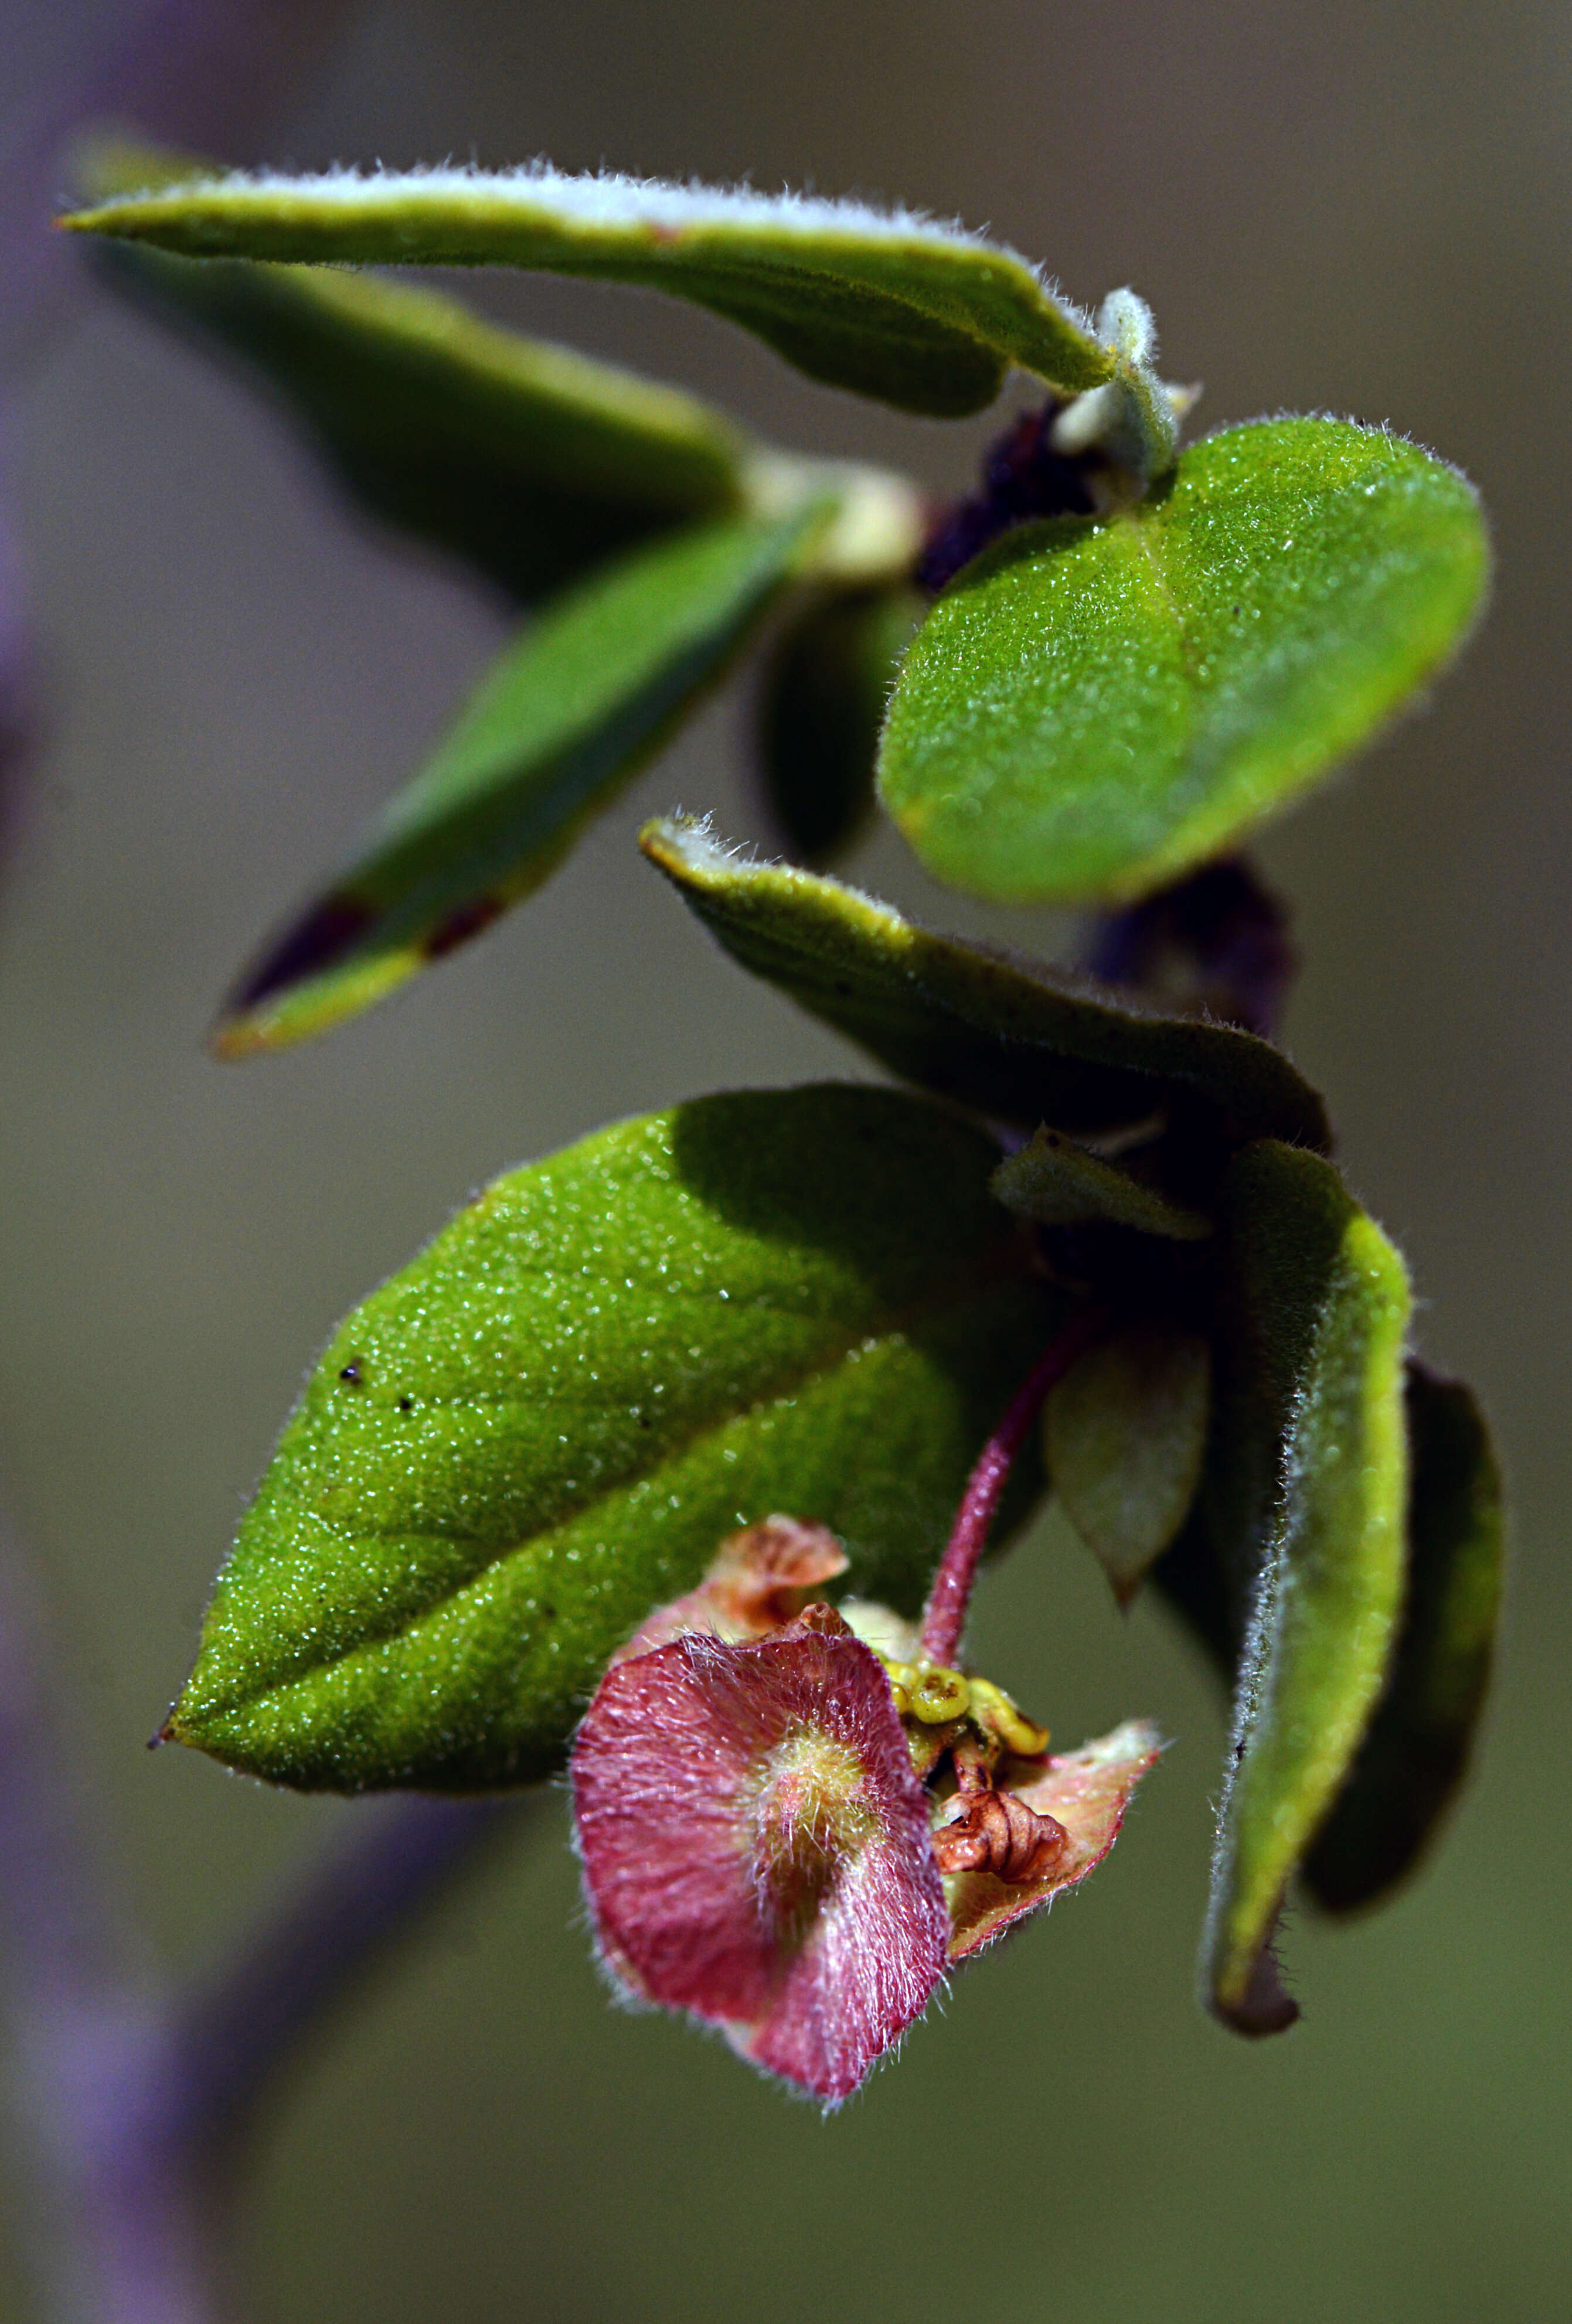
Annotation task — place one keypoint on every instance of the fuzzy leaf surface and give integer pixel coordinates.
(609, 1361)
(887, 304)
(1417, 1751)
(1315, 1460)
(1092, 707)
(566, 716)
(1125, 1433)
(1016, 1039)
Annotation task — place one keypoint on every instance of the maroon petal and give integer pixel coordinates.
(1083, 1794)
(757, 1581)
(756, 1848)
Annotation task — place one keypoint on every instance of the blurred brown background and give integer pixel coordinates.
(1361, 207)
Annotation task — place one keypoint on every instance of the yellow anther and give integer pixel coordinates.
(993, 1709)
(940, 1694)
(902, 1678)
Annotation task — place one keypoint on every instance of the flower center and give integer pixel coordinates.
(811, 1817)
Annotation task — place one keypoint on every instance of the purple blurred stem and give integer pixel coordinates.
(138, 2103)
(945, 1616)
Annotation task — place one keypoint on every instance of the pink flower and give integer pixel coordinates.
(756, 1847)
(759, 1847)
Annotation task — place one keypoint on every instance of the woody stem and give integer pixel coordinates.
(944, 1617)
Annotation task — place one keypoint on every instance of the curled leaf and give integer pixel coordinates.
(1308, 1498)
(1084, 1795)
(1020, 1041)
(886, 303)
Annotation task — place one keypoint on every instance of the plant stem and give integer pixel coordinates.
(944, 1617)
(225, 2042)
(138, 2103)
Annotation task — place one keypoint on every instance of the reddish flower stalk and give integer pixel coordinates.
(944, 1617)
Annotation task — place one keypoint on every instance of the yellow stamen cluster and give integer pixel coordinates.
(929, 1697)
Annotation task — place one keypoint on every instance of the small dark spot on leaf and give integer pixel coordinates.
(406, 1404)
(328, 930)
(461, 925)
(351, 1375)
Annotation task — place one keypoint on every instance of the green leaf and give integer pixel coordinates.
(1091, 707)
(888, 304)
(1125, 1433)
(1416, 1753)
(1008, 1036)
(822, 706)
(534, 463)
(800, 1301)
(572, 708)
(1055, 1183)
(1314, 1469)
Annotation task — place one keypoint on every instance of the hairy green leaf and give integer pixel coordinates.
(1092, 707)
(888, 304)
(1416, 1753)
(1314, 1469)
(800, 1301)
(820, 712)
(1125, 1433)
(571, 709)
(1055, 1183)
(1012, 1037)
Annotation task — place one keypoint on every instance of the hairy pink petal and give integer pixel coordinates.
(756, 1848)
(757, 1581)
(1086, 1792)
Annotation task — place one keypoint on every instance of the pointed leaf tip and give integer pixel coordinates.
(567, 714)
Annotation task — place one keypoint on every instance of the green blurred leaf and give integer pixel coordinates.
(1417, 1751)
(800, 1301)
(1313, 1469)
(570, 710)
(1011, 1037)
(1091, 707)
(1055, 1183)
(888, 304)
(1124, 1435)
(534, 463)
(822, 706)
